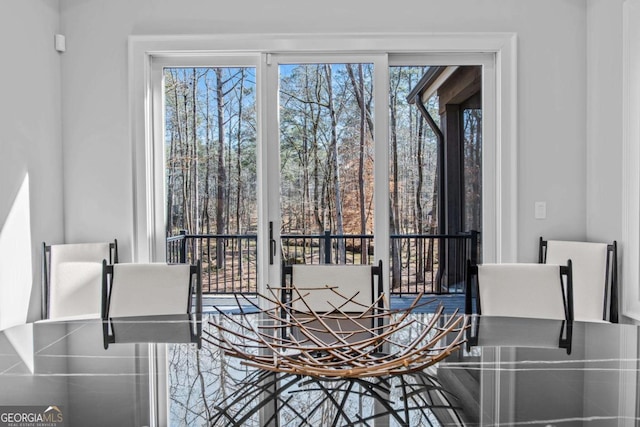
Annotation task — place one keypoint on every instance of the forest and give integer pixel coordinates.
(210, 132)
(326, 150)
(326, 158)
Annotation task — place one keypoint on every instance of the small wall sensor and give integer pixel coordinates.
(60, 43)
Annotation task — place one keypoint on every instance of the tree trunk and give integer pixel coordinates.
(239, 190)
(206, 216)
(361, 156)
(419, 214)
(358, 90)
(395, 214)
(194, 151)
(221, 173)
(333, 163)
(186, 164)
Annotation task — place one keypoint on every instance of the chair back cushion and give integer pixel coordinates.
(75, 290)
(521, 290)
(349, 280)
(332, 331)
(149, 289)
(75, 279)
(589, 269)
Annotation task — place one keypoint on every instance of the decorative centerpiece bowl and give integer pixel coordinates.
(374, 342)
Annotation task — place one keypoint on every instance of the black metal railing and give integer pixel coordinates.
(434, 263)
(419, 263)
(327, 248)
(229, 261)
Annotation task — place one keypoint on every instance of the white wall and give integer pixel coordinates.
(551, 91)
(569, 97)
(604, 120)
(604, 180)
(30, 152)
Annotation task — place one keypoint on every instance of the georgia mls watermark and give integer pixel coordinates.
(31, 416)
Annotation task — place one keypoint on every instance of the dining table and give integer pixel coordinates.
(171, 371)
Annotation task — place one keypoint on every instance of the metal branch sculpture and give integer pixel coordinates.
(371, 343)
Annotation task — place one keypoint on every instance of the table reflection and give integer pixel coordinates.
(497, 382)
(210, 387)
(271, 399)
(173, 328)
(506, 382)
(519, 332)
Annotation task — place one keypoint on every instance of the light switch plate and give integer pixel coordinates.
(540, 210)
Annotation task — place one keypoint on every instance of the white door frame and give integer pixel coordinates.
(630, 248)
(148, 227)
(381, 151)
(493, 248)
(155, 155)
(381, 63)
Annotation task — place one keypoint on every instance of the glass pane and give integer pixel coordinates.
(210, 170)
(413, 183)
(326, 149)
(413, 156)
(472, 122)
(435, 182)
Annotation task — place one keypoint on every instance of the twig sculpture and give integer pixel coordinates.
(374, 342)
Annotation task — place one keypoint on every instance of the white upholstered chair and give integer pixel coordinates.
(134, 294)
(333, 289)
(360, 284)
(595, 288)
(147, 289)
(521, 290)
(71, 279)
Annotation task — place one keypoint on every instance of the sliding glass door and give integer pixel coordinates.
(379, 158)
(277, 159)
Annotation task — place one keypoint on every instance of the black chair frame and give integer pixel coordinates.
(565, 334)
(611, 280)
(196, 316)
(472, 290)
(376, 291)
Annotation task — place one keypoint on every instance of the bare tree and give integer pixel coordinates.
(366, 123)
(395, 209)
(239, 192)
(206, 216)
(221, 171)
(333, 162)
